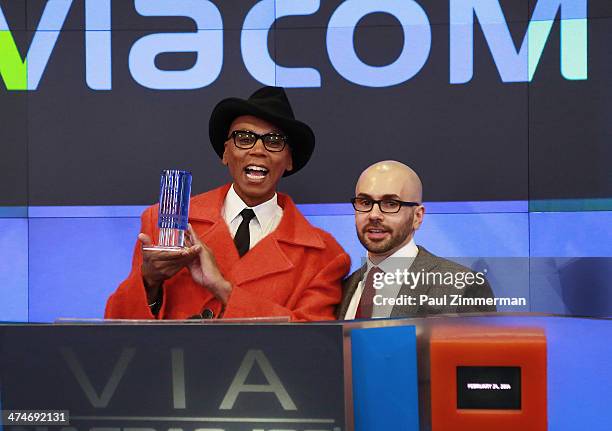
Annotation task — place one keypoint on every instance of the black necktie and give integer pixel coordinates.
(242, 239)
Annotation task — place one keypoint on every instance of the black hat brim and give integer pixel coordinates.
(301, 137)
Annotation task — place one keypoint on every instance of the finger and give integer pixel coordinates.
(190, 243)
(144, 239)
(165, 255)
(192, 234)
(173, 255)
(192, 250)
(171, 265)
(169, 271)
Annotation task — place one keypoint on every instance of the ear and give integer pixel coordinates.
(289, 167)
(419, 213)
(225, 150)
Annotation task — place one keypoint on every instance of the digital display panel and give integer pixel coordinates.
(490, 388)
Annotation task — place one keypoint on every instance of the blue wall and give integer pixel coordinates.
(65, 261)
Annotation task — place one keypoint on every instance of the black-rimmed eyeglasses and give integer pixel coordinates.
(246, 140)
(389, 206)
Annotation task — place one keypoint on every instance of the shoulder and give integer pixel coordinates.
(445, 273)
(296, 228)
(327, 238)
(206, 198)
(441, 264)
(207, 206)
(354, 278)
(214, 195)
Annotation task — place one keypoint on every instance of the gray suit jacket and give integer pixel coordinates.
(427, 262)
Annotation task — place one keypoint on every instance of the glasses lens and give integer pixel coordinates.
(274, 142)
(362, 204)
(244, 139)
(390, 206)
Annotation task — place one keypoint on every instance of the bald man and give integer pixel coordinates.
(399, 278)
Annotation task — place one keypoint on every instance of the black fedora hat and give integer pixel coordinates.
(272, 105)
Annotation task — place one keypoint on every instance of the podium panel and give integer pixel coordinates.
(478, 372)
(178, 377)
(385, 358)
(486, 378)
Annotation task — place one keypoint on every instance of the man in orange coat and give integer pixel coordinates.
(251, 252)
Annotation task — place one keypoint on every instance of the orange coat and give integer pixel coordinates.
(294, 271)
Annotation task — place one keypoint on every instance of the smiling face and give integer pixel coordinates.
(382, 234)
(255, 171)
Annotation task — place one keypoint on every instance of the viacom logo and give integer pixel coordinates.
(513, 65)
(254, 361)
(150, 377)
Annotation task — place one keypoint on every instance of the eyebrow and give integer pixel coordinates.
(273, 131)
(391, 196)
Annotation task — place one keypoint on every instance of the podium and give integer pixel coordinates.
(334, 376)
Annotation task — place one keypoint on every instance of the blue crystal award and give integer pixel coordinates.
(174, 195)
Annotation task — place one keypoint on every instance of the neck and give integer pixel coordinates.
(253, 201)
(377, 258)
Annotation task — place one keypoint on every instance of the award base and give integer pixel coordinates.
(170, 239)
(163, 248)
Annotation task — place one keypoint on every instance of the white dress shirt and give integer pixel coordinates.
(401, 259)
(267, 216)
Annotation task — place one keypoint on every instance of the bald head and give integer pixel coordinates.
(383, 232)
(388, 178)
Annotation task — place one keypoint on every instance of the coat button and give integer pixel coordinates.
(207, 313)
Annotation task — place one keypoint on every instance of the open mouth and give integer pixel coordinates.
(375, 233)
(255, 173)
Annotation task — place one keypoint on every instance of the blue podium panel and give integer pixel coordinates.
(188, 377)
(13, 270)
(385, 384)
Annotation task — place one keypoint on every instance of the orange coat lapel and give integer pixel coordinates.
(205, 217)
(268, 256)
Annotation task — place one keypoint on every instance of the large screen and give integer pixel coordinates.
(487, 100)
(501, 107)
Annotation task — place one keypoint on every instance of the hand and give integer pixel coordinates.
(205, 271)
(158, 266)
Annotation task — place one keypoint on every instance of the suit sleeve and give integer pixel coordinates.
(316, 301)
(129, 301)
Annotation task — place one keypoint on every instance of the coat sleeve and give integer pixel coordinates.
(316, 301)
(129, 301)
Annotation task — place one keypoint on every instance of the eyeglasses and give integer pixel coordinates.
(246, 140)
(389, 206)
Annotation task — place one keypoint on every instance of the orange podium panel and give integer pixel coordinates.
(488, 378)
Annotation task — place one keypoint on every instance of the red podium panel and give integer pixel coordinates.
(485, 378)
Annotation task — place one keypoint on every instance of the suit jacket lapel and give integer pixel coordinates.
(424, 261)
(349, 286)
